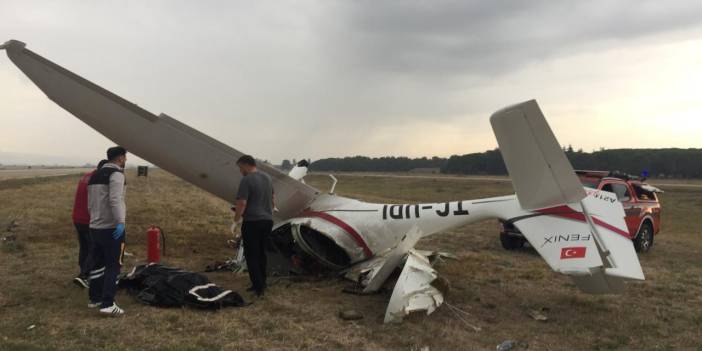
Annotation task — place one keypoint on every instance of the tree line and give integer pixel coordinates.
(671, 162)
(376, 164)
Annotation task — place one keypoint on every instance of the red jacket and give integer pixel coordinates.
(80, 204)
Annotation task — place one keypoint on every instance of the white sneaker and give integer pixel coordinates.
(113, 310)
(94, 304)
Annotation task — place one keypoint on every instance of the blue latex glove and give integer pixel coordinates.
(119, 231)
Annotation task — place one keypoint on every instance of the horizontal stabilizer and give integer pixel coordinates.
(586, 241)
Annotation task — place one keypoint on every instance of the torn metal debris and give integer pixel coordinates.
(413, 290)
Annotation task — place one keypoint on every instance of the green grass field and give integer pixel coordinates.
(497, 289)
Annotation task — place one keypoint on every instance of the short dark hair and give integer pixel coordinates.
(101, 163)
(115, 151)
(246, 160)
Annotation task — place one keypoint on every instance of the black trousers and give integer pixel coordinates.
(255, 235)
(107, 254)
(83, 249)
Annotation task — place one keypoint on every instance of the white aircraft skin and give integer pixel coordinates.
(380, 227)
(579, 232)
(365, 230)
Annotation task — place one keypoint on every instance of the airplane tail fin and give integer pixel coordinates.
(541, 174)
(578, 233)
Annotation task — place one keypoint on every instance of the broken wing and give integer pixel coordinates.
(161, 140)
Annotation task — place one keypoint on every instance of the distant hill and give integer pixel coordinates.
(677, 163)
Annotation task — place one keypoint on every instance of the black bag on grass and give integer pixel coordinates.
(157, 285)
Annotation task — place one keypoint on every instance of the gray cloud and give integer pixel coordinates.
(492, 37)
(320, 78)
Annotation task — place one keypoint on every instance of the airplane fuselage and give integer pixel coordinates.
(348, 231)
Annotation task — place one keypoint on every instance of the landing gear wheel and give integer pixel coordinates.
(644, 238)
(511, 242)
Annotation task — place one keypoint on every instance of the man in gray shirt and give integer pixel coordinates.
(108, 212)
(254, 204)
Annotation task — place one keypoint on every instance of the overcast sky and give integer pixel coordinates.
(318, 79)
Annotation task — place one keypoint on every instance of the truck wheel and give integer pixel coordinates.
(511, 242)
(644, 238)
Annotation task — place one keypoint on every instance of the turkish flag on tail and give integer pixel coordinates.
(573, 252)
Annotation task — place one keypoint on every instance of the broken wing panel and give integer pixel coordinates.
(161, 140)
(413, 290)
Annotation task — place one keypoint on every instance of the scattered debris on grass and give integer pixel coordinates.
(11, 223)
(506, 345)
(230, 265)
(8, 240)
(462, 315)
(10, 244)
(350, 315)
(538, 315)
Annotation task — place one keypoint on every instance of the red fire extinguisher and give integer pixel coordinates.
(154, 237)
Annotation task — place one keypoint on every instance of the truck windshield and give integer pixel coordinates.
(590, 183)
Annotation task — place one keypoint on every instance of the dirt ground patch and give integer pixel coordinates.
(497, 289)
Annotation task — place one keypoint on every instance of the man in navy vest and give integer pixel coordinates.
(81, 220)
(108, 212)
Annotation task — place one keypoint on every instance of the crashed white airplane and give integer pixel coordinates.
(364, 241)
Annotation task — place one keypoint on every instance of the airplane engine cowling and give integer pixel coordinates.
(320, 246)
(327, 242)
(312, 244)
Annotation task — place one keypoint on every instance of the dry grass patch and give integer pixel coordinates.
(498, 289)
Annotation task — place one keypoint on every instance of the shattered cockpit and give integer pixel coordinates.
(296, 249)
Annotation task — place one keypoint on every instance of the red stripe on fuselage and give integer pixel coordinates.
(565, 211)
(343, 225)
(610, 227)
